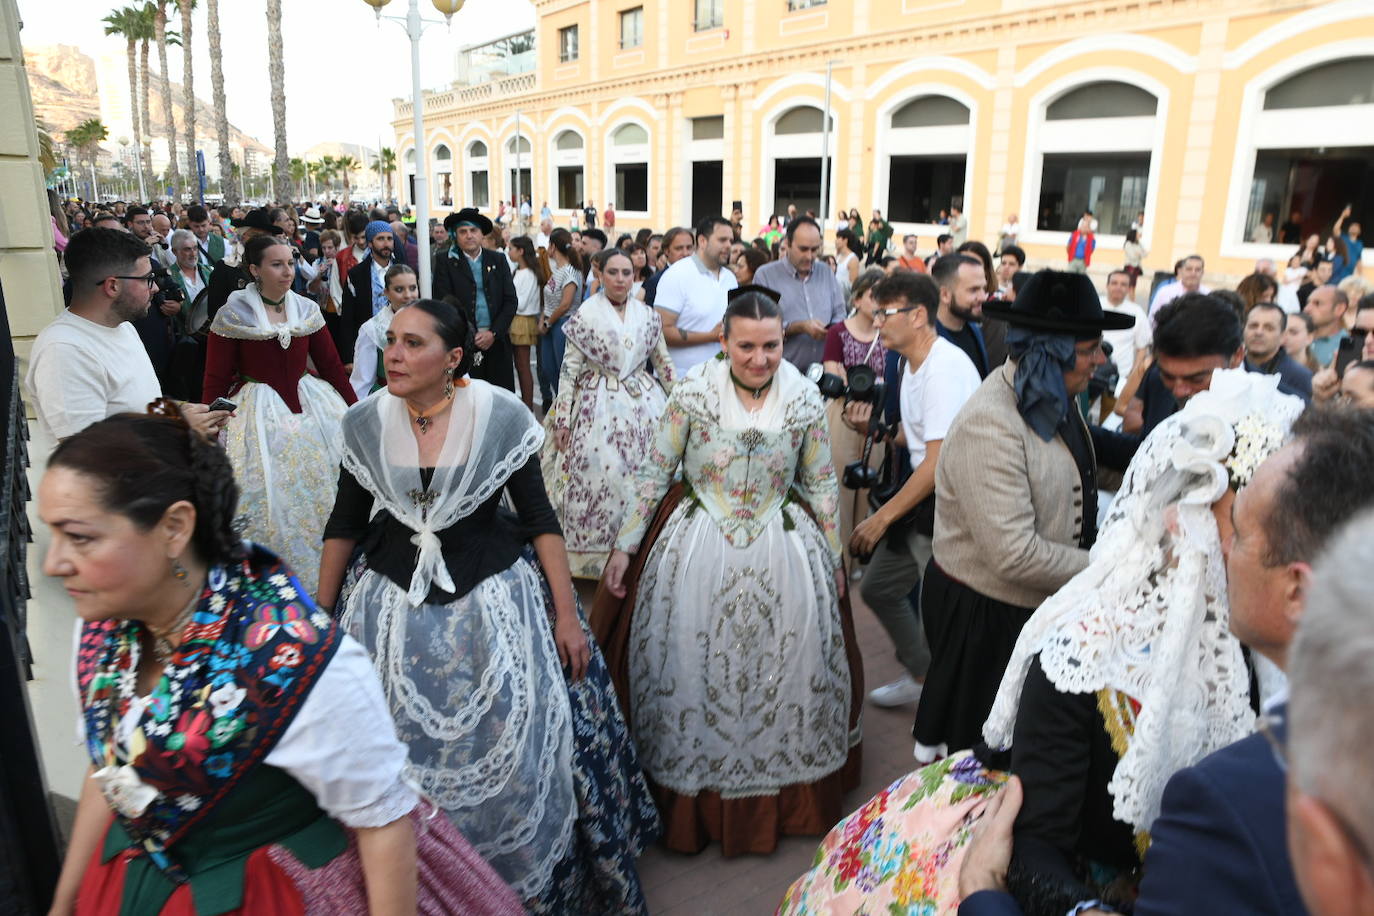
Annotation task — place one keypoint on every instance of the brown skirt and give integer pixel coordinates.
(740, 825)
(524, 330)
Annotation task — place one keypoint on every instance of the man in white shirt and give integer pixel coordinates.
(958, 225)
(937, 380)
(1130, 344)
(89, 363)
(1189, 281)
(691, 296)
(541, 238)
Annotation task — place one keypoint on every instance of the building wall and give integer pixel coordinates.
(1207, 62)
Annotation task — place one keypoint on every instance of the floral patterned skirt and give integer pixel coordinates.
(900, 853)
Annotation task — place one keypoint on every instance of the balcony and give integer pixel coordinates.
(461, 96)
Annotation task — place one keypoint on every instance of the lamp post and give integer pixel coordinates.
(415, 27)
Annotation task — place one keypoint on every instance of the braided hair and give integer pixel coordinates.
(142, 464)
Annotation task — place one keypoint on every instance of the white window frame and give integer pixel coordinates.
(473, 164)
(632, 154)
(566, 158)
(713, 17)
(639, 31)
(797, 146)
(909, 141)
(564, 33)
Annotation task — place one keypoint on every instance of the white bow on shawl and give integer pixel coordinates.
(491, 434)
(1149, 614)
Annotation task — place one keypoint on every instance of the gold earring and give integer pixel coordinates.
(179, 571)
(448, 386)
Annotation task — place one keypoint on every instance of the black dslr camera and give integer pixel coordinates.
(867, 387)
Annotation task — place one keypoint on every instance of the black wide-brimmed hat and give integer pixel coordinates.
(1058, 302)
(260, 219)
(470, 217)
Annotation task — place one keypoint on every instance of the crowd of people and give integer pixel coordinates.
(457, 604)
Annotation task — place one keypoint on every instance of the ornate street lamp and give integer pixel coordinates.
(414, 27)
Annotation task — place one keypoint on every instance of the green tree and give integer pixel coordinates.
(129, 24)
(384, 164)
(347, 165)
(85, 139)
(47, 151)
(298, 175)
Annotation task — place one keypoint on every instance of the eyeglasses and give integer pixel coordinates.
(1088, 351)
(888, 313)
(149, 278)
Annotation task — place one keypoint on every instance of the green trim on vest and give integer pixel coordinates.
(267, 808)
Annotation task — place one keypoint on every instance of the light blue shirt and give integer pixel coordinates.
(483, 312)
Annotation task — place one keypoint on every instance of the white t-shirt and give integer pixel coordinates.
(934, 394)
(1126, 341)
(81, 372)
(698, 297)
(526, 292)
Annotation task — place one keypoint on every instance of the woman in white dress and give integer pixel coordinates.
(401, 288)
(284, 440)
(603, 420)
(739, 685)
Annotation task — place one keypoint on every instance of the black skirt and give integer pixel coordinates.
(971, 639)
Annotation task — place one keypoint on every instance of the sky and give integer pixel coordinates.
(343, 68)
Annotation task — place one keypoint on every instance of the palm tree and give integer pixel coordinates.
(298, 173)
(314, 171)
(168, 112)
(146, 31)
(276, 69)
(329, 167)
(347, 165)
(228, 180)
(384, 164)
(128, 23)
(47, 152)
(85, 139)
(189, 95)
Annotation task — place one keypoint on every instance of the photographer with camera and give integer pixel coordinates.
(936, 381)
(157, 328)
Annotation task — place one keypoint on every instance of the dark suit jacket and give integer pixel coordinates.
(1294, 378)
(453, 283)
(1219, 843)
(356, 307)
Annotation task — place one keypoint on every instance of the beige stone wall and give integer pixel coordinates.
(28, 269)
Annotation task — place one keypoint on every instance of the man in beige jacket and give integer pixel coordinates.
(1016, 501)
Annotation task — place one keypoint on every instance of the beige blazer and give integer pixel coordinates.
(1009, 505)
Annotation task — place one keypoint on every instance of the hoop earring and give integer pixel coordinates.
(179, 571)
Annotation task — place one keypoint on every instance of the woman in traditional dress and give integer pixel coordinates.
(284, 440)
(242, 756)
(401, 288)
(468, 631)
(606, 412)
(739, 685)
(853, 342)
(1124, 676)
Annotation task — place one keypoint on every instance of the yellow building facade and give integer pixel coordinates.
(1205, 115)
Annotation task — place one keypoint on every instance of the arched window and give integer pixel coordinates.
(1314, 152)
(927, 142)
(443, 175)
(519, 168)
(478, 175)
(568, 160)
(1097, 141)
(628, 153)
(796, 159)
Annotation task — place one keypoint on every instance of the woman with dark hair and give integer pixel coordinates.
(239, 739)
(1133, 256)
(727, 623)
(639, 260)
(601, 424)
(1257, 288)
(747, 264)
(562, 293)
(773, 231)
(401, 287)
(848, 249)
(625, 241)
(529, 277)
(284, 438)
(495, 685)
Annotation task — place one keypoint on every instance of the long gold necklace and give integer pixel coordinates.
(162, 637)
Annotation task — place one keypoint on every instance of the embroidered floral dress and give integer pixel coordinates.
(237, 782)
(738, 678)
(611, 405)
(284, 440)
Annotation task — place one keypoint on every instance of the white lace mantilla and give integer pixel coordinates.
(1149, 615)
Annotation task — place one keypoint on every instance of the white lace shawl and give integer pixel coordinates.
(491, 434)
(1149, 614)
(244, 317)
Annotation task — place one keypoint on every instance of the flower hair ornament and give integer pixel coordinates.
(1146, 625)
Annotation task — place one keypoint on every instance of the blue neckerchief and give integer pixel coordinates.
(379, 301)
(1041, 361)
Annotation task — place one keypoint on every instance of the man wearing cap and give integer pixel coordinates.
(229, 275)
(1016, 501)
(364, 294)
(478, 281)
